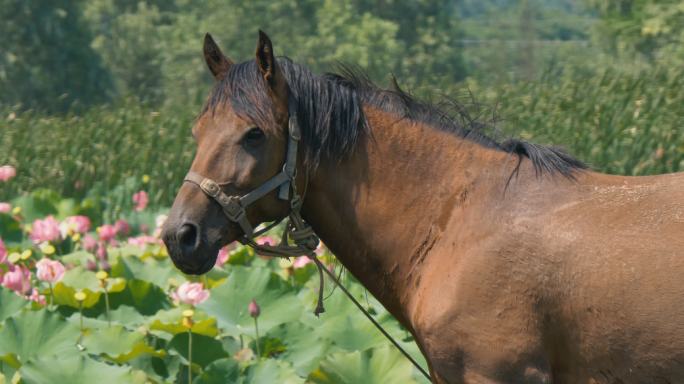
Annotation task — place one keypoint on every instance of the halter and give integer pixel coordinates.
(234, 206)
(296, 229)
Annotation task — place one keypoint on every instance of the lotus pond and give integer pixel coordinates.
(87, 303)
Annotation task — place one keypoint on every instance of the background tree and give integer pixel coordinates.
(46, 59)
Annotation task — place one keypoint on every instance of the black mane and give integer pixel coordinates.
(332, 120)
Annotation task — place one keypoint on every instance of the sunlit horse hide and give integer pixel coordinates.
(508, 262)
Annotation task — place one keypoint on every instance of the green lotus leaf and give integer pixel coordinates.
(269, 346)
(64, 295)
(37, 333)
(80, 278)
(303, 348)
(137, 350)
(153, 270)
(175, 315)
(74, 370)
(10, 230)
(34, 206)
(229, 302)
(78, 258)
(117, 344)
(220, 372)
(204, 327)
(304, 274)
(346, 326)
(205, 349)
(159, 369)
(274, 371)
(384, 365)
(240, 256)
(115, 340)
(124, 315)
(145, 297)
(10, 303)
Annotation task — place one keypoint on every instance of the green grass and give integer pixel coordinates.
(615, 122)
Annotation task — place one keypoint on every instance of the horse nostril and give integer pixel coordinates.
(187, 236)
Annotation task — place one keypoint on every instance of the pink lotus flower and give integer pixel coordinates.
(101, 251)
(222, 257)
(140, 199)
(144, 228)
(79, 224)
(157, 232)
(3, 251)
(121, 227)
(190, 293)
(254, 309)
(107, 233)
(46, 230)
(18, 279)
(268, 240)
(140, 241)
(301, 261)
(36, 297)
(106, 266)
(160, 220)
(48, 270)
(7, 172)
(89, 243)
(5, 208)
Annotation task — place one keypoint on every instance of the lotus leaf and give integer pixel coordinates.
(220, 372)
(10, 303)
(229, 302)
(205, 349)
(75, 370)
(384, 365)
(37, 333)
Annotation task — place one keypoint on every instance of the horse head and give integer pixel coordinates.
(242, 141)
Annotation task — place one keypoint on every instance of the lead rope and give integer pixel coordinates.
(306, 243)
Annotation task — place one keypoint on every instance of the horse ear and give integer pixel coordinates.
(217, 62)
(267, 63)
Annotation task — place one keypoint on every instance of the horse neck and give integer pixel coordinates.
(381, 209)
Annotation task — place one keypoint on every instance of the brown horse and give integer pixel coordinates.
(508, 262)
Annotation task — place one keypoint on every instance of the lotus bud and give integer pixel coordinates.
(254, 309)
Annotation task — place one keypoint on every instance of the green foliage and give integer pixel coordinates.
(274, 295)
(117, 344)
(626, 124)
(653, 29)
(380, 365)
(99, 152)
(36, 333)
(46, 59)
(205, 349)
(10, 303)
(595, 118)
(272, 371)
(219, 372)
(75, 370)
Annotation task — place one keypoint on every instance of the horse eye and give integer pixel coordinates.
(254, 134)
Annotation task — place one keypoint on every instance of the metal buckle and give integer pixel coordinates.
(210, 188)
(237, 217)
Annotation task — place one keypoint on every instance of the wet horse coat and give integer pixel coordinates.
(507, 262)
